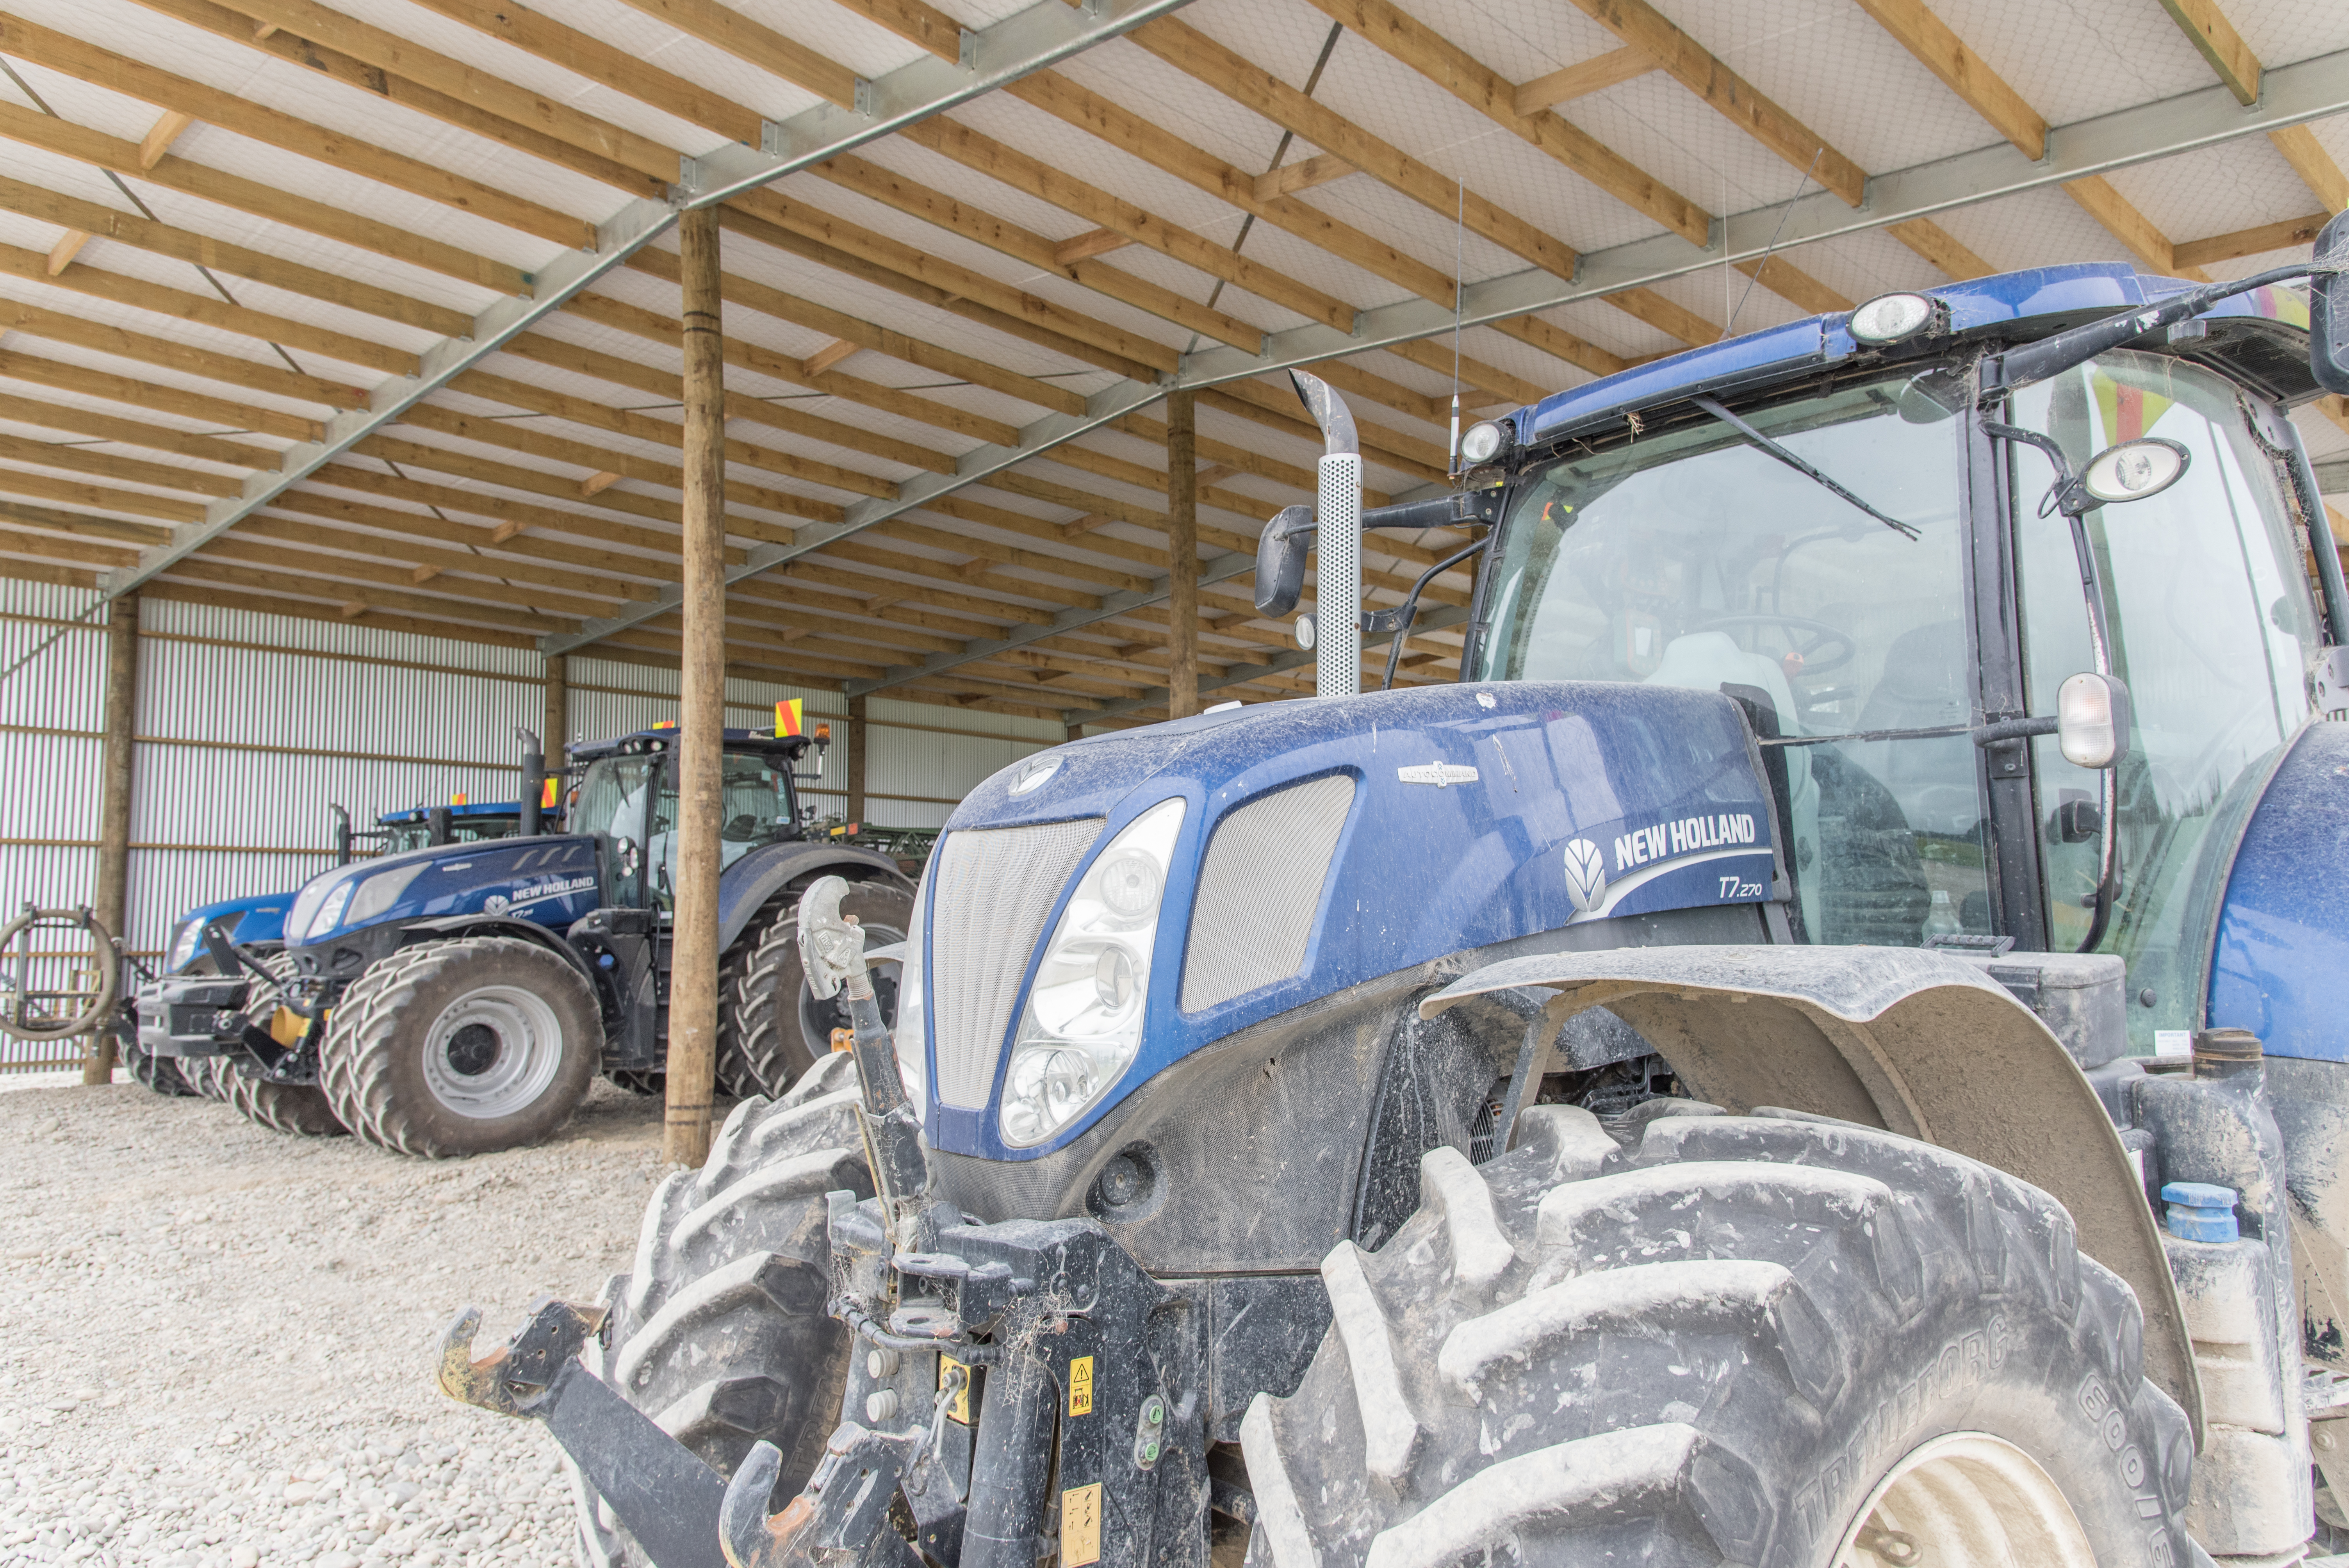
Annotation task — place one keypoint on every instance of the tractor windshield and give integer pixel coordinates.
(2213, 630)
(1692, 558)
(758, 809)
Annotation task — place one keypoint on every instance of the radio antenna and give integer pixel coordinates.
(1459, 298)
(1784, 213)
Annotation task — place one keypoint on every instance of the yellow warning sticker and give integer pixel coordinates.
(958, 1408)
(1080, 1524)
(1081, 1391)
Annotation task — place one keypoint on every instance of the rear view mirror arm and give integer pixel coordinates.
(1399, 618)
(1280, 548)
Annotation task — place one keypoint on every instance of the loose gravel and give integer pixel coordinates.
(217, 1342)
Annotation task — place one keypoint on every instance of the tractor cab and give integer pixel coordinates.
(1819, 526)
(627, 800)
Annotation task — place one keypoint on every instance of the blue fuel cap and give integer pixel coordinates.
(2201, 1210)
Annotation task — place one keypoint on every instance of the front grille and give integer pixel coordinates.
(991, 890)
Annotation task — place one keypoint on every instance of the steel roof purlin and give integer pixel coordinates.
(1031, 40)
(2291, 95)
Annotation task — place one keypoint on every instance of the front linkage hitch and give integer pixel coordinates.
(1018, 1383)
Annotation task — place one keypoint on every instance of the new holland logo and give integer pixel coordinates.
(1442, 775)
(537, 892)
(1033, 773)
(1586, 874)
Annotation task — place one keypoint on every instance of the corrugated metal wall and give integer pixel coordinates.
(251, 725)
(49, 792)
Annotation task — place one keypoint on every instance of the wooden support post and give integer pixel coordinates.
(701, 706)
(857, 753)
(110, 902)
(555, 730)
(1182, 555)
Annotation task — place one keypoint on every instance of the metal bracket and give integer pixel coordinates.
(867, 100)
(843, 1516)
(660, 1491)
(832, 950)
(967, 50)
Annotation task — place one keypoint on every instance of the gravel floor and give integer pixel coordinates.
(216, 1343)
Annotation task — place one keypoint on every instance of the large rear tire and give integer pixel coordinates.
(719, 1333)
(463, 1047)
(1773, 1342)
(294, 1108)
(780, 1029)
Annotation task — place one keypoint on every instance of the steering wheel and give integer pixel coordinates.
(1822, 636)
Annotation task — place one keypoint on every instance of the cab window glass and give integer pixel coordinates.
(1692, 558)
(2213, 629)
(611, 808)
(755, 808)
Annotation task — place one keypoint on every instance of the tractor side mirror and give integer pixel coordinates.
(2328, 309)
(1280, 560)
(440, 825)
(2091, 720)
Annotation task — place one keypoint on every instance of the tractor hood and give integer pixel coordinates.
(247, 921)
(1099, 911)
(550, 879)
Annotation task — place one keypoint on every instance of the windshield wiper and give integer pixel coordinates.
(1798, 465)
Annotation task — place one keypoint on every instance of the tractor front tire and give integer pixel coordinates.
(203, 1074)
(719, 1333)
(780, 1029)
(295, 1107)
(463, 1047)
(160, 1074)
(1762, 1340)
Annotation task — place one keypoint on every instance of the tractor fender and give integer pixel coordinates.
(755, 879)
(455, 926)
(1916, 1042)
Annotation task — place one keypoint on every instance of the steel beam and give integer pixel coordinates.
(2331, 476)
(2290, 95)
(1029, 40)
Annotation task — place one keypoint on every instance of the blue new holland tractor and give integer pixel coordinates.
(1821, 1049)
(254, 927)
(461, 995)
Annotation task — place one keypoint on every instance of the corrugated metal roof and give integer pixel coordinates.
(354, 180)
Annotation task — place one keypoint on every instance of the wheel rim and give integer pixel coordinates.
(1966, 1499)
(493, 1052)
(818, 1020)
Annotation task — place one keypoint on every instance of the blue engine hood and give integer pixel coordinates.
(261, 918)
(2279, 967)
(550, 879)
(1649, 791)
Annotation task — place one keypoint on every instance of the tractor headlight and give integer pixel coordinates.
(1082, 1024)
(1484, 441)
(1894, 318)
(184, 946)
(330, 914)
